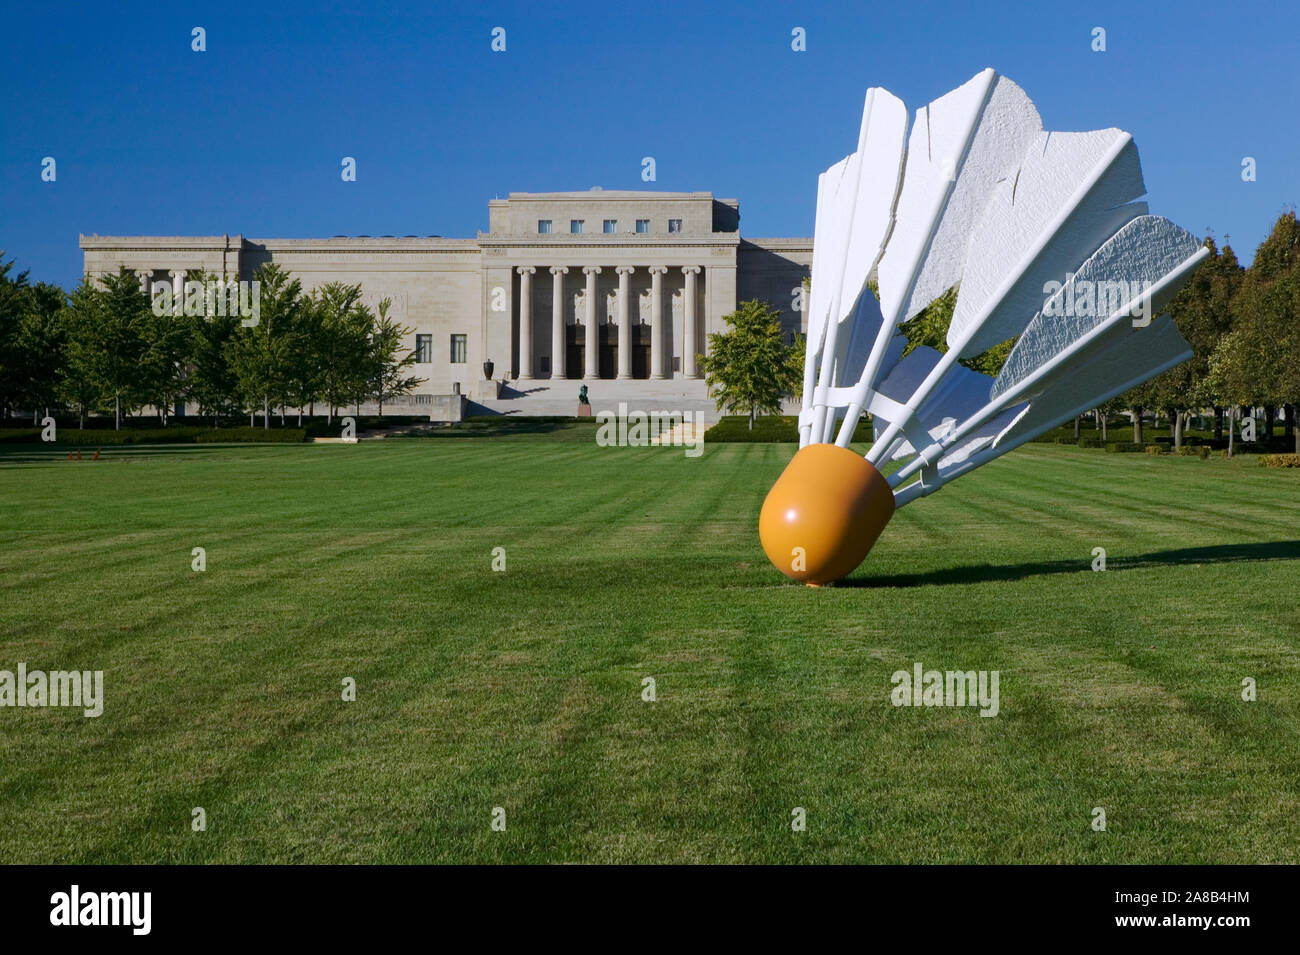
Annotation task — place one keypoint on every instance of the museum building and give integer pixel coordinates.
(621, 287)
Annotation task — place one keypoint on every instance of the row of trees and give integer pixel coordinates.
(1243, 326)
(102, 349)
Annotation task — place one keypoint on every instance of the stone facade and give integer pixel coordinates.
(647, 276)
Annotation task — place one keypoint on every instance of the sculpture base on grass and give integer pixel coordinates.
(584, 410)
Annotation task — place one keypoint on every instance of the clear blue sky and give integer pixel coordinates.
(151, 138)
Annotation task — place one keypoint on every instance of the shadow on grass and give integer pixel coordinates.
(986, 573)
(17, 455)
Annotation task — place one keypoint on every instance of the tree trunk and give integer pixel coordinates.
(82, 418)
(1137, 425)
(1232, 429)
(266, 413)
(1177, 420)
(1218, 423)
(117, 412)
(1105, 420)
(1076, 426)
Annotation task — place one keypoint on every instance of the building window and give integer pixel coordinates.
(642, 226)
(543, 226)
(575, 226)
(457, 349)
(611, 225)
(674, 225)
(423, 349)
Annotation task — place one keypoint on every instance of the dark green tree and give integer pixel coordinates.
(259, 355)
(749, 369)
(389, 360)
(108, 336)
(343, 344)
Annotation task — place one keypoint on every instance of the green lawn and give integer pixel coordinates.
(522, 689)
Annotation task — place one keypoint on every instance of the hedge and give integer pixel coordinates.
(535, 419)
(95, 438)
(1125, 447)
(251, 435)
(767, 428)
(1279, 460)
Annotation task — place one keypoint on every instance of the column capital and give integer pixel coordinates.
(526, 269)
(591, 269)
(559, 269)
(625, 269)
(657, 269)
(690, 270)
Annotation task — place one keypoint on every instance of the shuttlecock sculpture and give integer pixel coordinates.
(1045, 239)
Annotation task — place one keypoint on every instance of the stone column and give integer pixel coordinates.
(557, 321)
(657, 321)
(526, 320)
(143, 275)
(592, 371)
(689, 332)
(625, 321)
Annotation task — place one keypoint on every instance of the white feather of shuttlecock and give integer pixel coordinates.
(984, 200)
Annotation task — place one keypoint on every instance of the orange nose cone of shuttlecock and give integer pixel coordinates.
(824, 513)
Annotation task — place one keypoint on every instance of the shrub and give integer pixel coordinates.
(1124, 447)
(1203, 451)
(1279, 460)
(1187, 452)
(20, 435)
(497, 419)
(96, 437)
(1091, 441)
(251, 435)
(1155, 449)
(766, 428)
